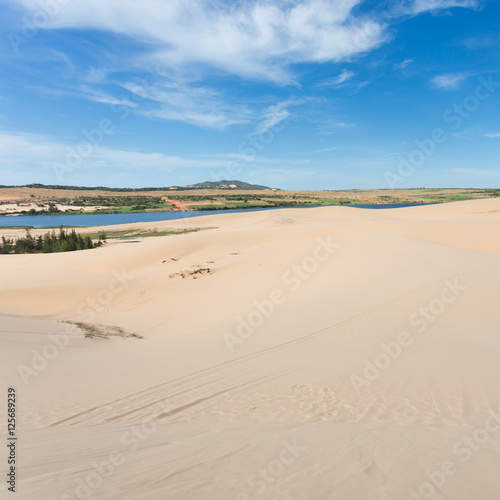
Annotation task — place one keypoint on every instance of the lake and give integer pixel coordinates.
(40, 221)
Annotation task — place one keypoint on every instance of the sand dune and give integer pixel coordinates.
(326, 353)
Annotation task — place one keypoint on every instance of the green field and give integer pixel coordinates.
(144, 233)
(48, 200)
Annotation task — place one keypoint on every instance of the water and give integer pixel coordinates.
(82, 220)
(40, 221)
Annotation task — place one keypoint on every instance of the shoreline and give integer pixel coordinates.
(197, 213)
(211, 209)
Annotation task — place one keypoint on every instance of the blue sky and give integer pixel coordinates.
(295, 94)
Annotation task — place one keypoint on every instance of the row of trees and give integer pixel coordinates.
(50, 242)
(114, 201)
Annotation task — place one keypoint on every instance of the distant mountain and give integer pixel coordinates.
(202, 185)
(227, 185)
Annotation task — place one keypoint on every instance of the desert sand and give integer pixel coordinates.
(326, 353)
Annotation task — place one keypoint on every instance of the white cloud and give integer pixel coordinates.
(329, 127)
(339, 81)
(102, 97)
(482, 41)
(466, 134)
(169, 97)
(493, 135)
(275, 114)
(326, 150)
(403, 64)
(255, 40)
(451, 81)
(18, 149)
(37, 152)
(415, 7)
(179, 100)
(259, 40)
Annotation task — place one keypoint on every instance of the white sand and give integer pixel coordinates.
(9, 208)
(295, 408)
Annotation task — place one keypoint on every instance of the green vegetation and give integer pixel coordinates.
(109, 204)
(341, 201)
(124, 201)
(207, 207)
(71, 241)
(448, 198)
(242, 201)
(142, 233)
(115, 201)
(48, 243)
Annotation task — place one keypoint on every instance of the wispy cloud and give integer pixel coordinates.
(104, 98)
(450, 81)
(415, 7)
(328, 127)
(339, 81)
(38, 152)
(483, 41)
(493, 135)
(466, 134)
(174, 99)
(275, 114)
(402, 64)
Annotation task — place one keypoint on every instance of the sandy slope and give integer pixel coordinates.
(372, 364)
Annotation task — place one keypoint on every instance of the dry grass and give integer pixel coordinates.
(93, 331)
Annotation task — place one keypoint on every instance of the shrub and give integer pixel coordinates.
(50, 242)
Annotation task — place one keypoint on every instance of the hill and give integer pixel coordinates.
(227, 185)
(202, 185)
